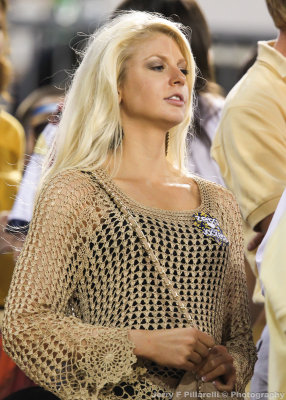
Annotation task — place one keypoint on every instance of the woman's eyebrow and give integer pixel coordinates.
(164, 58)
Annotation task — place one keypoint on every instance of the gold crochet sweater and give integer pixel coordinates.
(83, 280)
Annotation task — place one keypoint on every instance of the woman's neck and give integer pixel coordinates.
(280, 44)
(143, 156)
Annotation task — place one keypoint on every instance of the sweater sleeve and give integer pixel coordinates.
(237, 329)
(58, 351)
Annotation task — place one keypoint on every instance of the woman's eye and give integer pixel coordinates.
(184, 71)
(157, 67)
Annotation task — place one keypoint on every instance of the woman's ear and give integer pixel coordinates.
(119, 95)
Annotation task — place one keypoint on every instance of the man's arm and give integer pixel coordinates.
(261, 229)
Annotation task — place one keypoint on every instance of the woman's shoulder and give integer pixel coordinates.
(214, 195)
(71, 196)
(70, 185)
(210, 186)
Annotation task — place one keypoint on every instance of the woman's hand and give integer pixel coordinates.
(218, 368)
(182, 348)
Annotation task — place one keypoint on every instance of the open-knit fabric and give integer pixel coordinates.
(83, 280)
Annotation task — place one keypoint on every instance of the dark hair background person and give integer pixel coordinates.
(208, 94)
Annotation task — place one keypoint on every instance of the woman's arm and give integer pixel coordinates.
(181, 348)
(58, 351)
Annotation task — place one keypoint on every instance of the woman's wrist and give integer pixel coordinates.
(142, 341)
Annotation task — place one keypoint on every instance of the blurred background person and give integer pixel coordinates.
(250, 148)
(40, 115)
(35, 111)
(270, 258)
(12, 379)
(21, 214)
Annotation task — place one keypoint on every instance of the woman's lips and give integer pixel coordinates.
(176, 100)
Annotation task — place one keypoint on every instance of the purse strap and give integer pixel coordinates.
(147, 246)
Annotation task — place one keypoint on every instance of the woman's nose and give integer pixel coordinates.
(178, 78)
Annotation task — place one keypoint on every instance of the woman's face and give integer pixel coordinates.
(154, 91)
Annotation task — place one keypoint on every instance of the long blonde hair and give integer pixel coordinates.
(90, 128)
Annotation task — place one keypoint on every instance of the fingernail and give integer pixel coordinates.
(203, 378)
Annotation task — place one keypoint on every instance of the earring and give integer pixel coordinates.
(167, 142)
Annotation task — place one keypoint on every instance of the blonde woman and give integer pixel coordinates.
(132, 271)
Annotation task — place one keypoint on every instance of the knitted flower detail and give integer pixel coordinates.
(210, 227)
(110, 360)
(114, 357)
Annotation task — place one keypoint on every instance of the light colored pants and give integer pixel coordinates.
(259, 381)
